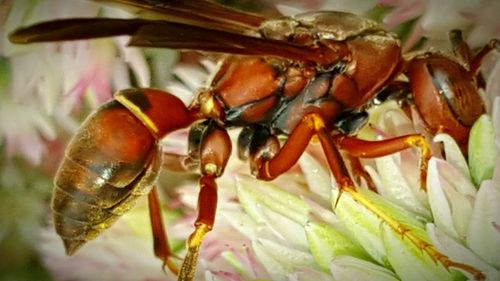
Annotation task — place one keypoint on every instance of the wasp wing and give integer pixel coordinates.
(199, 12)
(74, 29)
(162, 33)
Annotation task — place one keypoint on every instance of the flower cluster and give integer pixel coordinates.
(294, 228)
(307, 231)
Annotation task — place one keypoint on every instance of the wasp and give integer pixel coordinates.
(310, 75)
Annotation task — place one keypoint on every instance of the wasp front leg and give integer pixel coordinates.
(210, 147)
(268, 160)
(476, 61)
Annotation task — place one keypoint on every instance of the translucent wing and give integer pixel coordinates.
(193, 11)
(194, 25)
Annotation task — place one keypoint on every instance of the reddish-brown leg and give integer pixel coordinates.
(312, 124)
(358, 173)
(160, 241)
(207, 205)
(460, 48)
(289, 153)
(270, 165)
(214, 152)
(281, 160)
(370, 149)
(475, 62)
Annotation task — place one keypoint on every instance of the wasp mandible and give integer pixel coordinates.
(313, 74)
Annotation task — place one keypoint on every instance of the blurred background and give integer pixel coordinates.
(46, 90)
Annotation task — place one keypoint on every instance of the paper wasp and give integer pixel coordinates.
(308, 75)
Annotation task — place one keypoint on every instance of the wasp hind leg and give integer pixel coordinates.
(160, 241)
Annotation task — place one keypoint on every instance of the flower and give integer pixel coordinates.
(433, 24)
(294, 228)
(350, 242)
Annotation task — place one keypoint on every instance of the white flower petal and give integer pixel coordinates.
(483, 237)
(455, 178)
(285, 228)
(395, 186)
(317, 177)
(49, 86)
(496, 173)
(326, 243)
(210, 66)
(485, 17)
(179, 90)
(459, 253)
(346, 268)
(121, 75)
(253, 192)
(192, 77)
(240, 221)
(372, 172)
(461, 209)
(410, 262)
(356, 7)
(493, 92)
(460, 194)
(363, 226)
(211, 277)
(287, 255)
(441, 210)
(276, 269)
(115, 255)
(437, 24)
(325, 215)
(396, 122)
(279, 260)
(453, 153)
(364, 216)
(308, 274)
(288, 10)
(135, 58)
(391, 119)
(496, 121)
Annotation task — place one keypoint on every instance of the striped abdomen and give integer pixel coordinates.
(113, 159)
(109, 163)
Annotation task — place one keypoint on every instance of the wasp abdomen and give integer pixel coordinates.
(108, 164)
